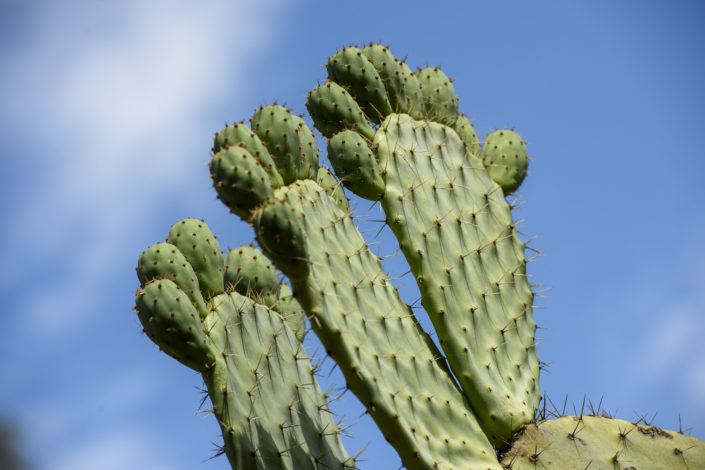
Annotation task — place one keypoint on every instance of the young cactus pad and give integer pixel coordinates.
(271, 411)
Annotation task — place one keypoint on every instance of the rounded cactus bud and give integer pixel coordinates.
(440, 101)
(289, 141)
(352, 69)
(402, 86)
(240, 181)
(165, 261)
(195, 240)
(240, 135)
(333, 110)
(506, 160)
(173, 323)
(356, 165)
(249, 272)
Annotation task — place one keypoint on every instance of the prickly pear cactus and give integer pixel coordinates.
(451, 219)
(389, 363)
(270, 408)
(397, 137)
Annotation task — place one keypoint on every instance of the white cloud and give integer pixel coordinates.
(115, 451)
(111, 98)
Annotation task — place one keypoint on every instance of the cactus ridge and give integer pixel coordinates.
(373, 336)
(271, 411)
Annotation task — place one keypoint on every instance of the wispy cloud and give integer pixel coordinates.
(112, 99)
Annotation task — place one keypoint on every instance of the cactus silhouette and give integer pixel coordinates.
(397, 137)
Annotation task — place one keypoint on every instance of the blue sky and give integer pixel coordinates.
(108, 109)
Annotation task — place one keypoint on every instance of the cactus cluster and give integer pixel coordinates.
(397, 137)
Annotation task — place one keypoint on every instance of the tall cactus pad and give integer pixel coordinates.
(370, 332)
(577, 443)
(505, 158)
(270, 408)
(457, 233)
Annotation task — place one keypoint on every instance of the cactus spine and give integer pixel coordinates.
(397, 137)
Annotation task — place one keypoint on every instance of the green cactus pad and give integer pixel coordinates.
(165, 261)
(457, 234)
(332, 186)
(289, 141)
(240, 135)
(577, 443)
(240, 181)
(505, 158)
(197, 243)
(283, 238)
(402, 86)
(249, 272)
(466, 131)
(356, 165)
(440, 101)
(334, 110)
(173, 323)
(372, 334)
(352, 69)
(271, 410)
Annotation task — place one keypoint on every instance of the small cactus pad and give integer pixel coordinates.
(352, 69)
(173, 323)
(249, 272)
(440, 102)
(580, 442)
(240, 181)
(356, 165)
(242, 136)
(505, 158)
(402, 86)
(289, 140)
(372, 335)
(165, 261)
(194, 239)
(333, 110)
